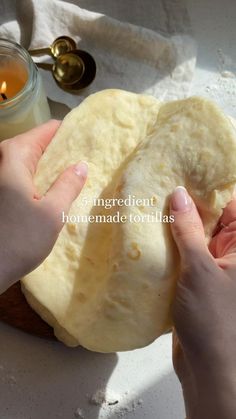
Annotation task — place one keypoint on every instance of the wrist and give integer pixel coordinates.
(211, 395)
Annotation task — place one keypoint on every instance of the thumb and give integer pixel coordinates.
(187, 228)
(67, 187)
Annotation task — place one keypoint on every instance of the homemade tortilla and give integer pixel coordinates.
(109, 286)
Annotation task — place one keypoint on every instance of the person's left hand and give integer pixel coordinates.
(29, 223)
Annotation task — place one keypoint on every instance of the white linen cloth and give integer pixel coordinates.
(127, 56)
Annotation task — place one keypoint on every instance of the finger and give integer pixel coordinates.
(228, 263)
(66, 189)
(187, 228)
(29, 147)
(229, 213)
(224, 243)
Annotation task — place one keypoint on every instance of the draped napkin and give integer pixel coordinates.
(127, 56)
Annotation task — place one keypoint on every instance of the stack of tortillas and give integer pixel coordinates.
(109, 286)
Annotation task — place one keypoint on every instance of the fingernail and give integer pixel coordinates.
(81, 169)
(180, 200)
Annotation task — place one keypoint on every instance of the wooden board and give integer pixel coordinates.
(15, 311)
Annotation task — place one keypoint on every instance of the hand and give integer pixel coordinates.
(29, 223)
(204, 311)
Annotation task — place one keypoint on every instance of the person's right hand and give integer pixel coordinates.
(204, 311)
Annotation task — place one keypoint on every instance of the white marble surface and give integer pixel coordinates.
(41, 379)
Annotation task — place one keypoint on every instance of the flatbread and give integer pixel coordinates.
(104, 130)
(109, 287)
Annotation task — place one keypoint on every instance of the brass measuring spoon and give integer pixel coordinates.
(67, 70)
(59, 46)
(89, 73)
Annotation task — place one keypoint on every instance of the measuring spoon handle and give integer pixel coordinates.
(40, 51)
(45, 66)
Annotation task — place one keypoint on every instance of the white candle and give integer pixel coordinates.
(23, 103)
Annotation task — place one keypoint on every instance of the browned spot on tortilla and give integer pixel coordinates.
(135, 252)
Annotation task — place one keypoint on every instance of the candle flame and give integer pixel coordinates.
(3, 87)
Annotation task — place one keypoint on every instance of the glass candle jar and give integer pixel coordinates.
(23, 103)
